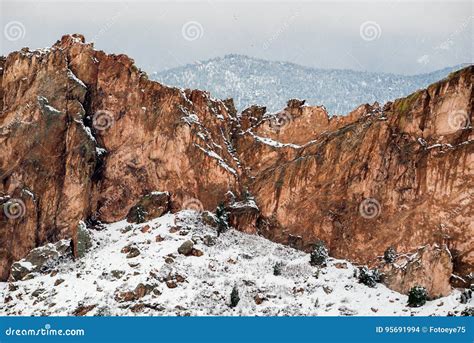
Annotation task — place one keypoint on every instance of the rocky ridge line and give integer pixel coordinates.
(86, 135)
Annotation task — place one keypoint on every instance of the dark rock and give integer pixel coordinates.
(186, 248)
(83, 310)
(117, 273)
(171, 284)
(58, 282)
(134, 252)
(327, 289)
(150, 206)
(243, 216)
(139, 292)
(126, 229)
(37, 292)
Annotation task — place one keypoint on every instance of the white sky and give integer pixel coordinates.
(410, 36)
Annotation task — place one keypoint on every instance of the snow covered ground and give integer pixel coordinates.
(137, 270)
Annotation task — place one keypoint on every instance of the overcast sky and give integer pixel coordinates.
(406, 37)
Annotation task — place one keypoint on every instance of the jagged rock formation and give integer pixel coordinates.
(87, 135)
(430, 266)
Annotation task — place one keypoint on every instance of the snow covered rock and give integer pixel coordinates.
(41, 259)
(243, 216)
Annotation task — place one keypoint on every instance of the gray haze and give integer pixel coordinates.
(407, 37)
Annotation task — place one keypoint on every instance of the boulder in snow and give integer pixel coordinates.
(41, 259)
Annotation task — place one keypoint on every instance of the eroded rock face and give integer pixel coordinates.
(87, 135)
(244, 216)
(430, 267)
(399, 176)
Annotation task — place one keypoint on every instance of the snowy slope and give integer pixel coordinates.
(253, 81)
(176, 284)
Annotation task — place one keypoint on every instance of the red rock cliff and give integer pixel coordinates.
(85, 135)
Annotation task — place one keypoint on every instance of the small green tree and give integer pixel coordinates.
(234, 297)
(277, 268)
(222, 219)
(389, 255)
(468, 312)
(138, 214)
(247, 195)
(319, 254)
(369, 277)
(417, 296)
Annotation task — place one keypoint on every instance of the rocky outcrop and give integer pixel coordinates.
(87, 135)
(244, 216)
(430, 267)
(150, 206)
(41, 259)
(397, 176)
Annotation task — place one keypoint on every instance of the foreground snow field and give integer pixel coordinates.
(137, 270)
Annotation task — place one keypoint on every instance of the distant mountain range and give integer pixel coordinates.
(252, 81)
